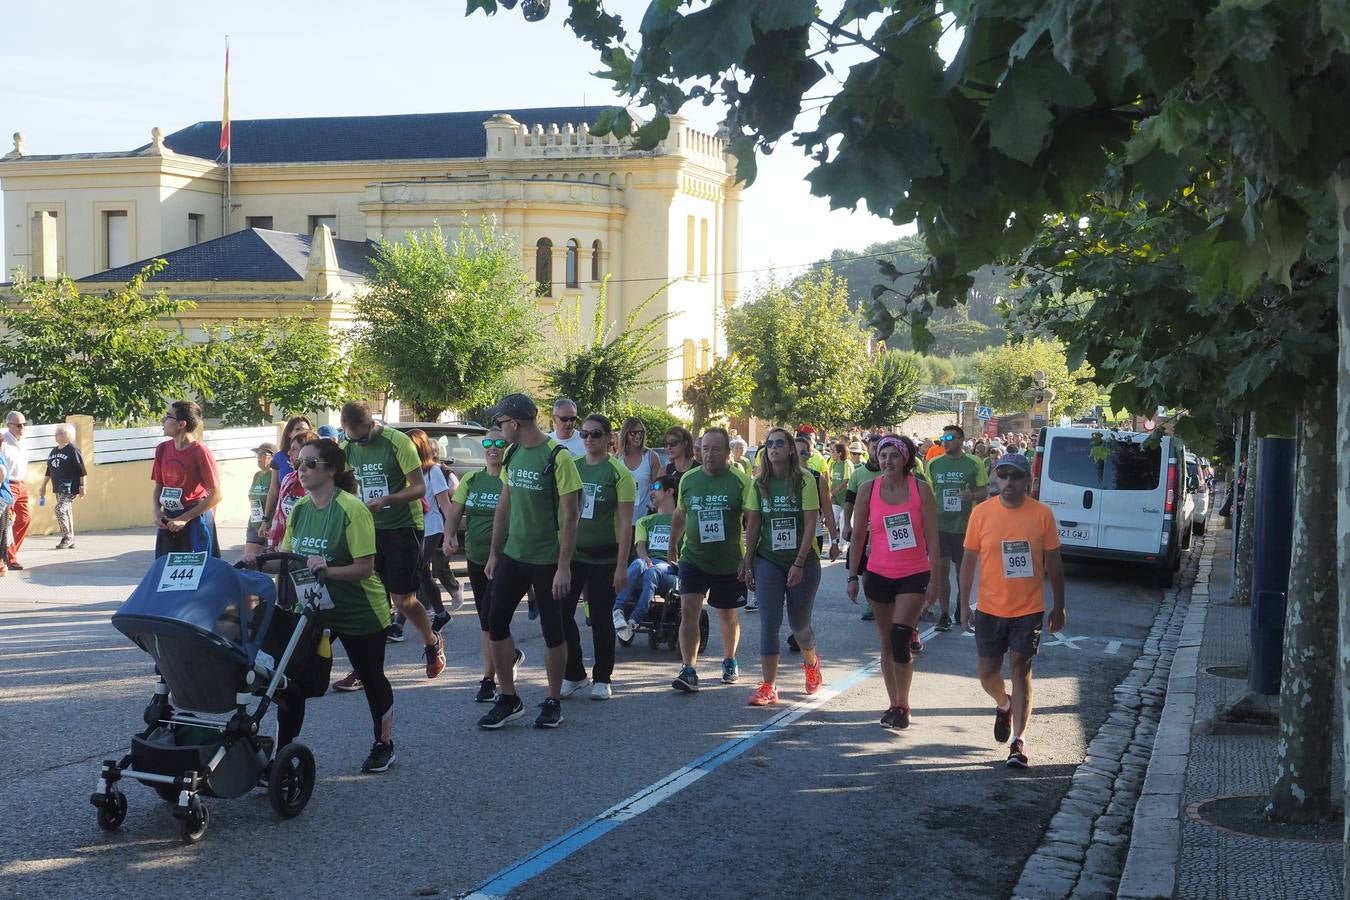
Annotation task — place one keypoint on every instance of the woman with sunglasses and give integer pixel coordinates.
(679, 445)
(643, 464)
(895, 527)
(476, 498)
(784, 569)
(336, 532)
(432, 564)
(600, 564)
(291, 489)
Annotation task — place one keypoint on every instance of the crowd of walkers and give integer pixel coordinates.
(584, 517)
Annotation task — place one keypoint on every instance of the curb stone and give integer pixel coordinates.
(1119, 794)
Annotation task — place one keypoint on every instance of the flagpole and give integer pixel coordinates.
(226, 139)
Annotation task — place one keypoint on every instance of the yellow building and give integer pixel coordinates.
(316, 190)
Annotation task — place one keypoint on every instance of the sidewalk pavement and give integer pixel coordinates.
(1173, 850)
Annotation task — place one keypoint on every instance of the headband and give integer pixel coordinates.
(893, 441)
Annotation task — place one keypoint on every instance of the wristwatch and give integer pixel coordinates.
(853, 578)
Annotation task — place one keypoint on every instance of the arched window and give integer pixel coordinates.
(543, 268)
(595, 261)
(573, 262)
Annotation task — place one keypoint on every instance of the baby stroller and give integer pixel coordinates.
(220, 638)
(662, 623)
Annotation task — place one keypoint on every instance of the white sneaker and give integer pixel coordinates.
(751, 602)
(619, 620)
(571, 687)
(601, 691)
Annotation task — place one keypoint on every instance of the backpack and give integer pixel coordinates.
(549, 468)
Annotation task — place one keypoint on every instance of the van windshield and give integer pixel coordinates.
(1127, 466)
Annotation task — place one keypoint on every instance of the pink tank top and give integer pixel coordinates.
(896, 546)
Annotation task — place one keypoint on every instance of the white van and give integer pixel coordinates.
(1116, 495)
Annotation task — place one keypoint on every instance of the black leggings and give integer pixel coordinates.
(510, 581)
(482, 599)
(432, 566)
(366, 654)
(598, 581)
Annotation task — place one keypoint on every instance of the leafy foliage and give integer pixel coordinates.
(804, 349)
(892, 388)
(656, 419)
(606, 368)
(293, 363)
(443, 320)
(103, 355)
(721, 391)
(1005, 378)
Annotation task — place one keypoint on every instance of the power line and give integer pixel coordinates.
(773, 268)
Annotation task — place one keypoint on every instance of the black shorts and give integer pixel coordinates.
(398, 552)
(996, 635)
(880, 589)
(952, 546)
(511, 580)
(722, 591)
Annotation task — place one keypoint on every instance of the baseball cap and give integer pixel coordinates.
(856, 447)
(1015, 460)
(267, 448)
(515, 406)
(330, 431)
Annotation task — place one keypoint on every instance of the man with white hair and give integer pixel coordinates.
(65, 473)
(16, 452)
(565, 427)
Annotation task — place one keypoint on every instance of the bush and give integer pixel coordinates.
(655, 419)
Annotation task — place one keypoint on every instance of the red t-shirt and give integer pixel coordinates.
(193, 470)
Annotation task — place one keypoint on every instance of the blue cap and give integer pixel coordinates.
(1016, 460)
(330, 431)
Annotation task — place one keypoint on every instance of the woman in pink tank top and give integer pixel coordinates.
(897, 517)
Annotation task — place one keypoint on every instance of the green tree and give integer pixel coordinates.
(106, 355)
(443, 320)
(891, 390)
(722, 390)
(1005, 377)
(293, 363)
(804, 349)
(655, 419)
(607, 366)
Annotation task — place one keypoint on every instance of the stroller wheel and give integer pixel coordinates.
(112, 811)
(194, 822)
(654, 638)
(702, 631)
(291, 781)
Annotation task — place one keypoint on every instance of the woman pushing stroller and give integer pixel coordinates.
(336, 532)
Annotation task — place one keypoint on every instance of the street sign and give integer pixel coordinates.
(984, 412)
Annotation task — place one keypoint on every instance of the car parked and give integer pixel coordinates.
(460, 444)
(1198, 480)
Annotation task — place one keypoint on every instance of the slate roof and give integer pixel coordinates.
(254, 254)
(454, 135)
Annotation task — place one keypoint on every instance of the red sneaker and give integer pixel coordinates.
(435, 654)
(813, 679)
(351, 683)
(764, 695)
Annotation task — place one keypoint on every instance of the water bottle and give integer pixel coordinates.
(42, 500)
(325, 645)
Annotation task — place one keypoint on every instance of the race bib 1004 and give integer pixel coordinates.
(711, 528)
(659, 538)
(900, 532)
(1017, 559)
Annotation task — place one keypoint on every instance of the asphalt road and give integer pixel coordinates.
(822, 801)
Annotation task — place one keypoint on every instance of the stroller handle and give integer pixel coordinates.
(263, 558)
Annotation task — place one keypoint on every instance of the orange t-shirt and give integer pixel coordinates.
(934, 451)
(1012, 544)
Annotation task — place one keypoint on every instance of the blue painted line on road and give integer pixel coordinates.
(555, 851)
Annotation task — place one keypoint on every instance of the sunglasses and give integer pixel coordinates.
(489, 443)
(1011, 475)
(501, 423)
(776, 442)
(587, 435)
(637, 434)
(566, 418)
(947, 437)
(309, 462)
(675, 442)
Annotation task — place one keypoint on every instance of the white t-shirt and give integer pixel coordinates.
(16, 458)
(575, 445)
(434, 522)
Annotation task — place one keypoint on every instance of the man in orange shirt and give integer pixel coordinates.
(1015, 544)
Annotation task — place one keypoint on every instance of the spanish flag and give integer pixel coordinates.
(225, 116)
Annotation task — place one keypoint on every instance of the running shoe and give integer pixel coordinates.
(14, 564)
(487, 691)
(686, 681)
(601, 691)
(764, 695)
(888, 717)
(623, 629)
(506, 709)
(944, 623)
(550, 714)
(867, 614)
(1003, 724)
(751, 602)
(731, 671)
(380, 759)
(63, 543)
(793, 645)
(70, 546)
(394, 633)
(813, 679)
(439, 621)
(900, 717)
(435, 654)
(570, 687)
(1017, 754)
(351, 683)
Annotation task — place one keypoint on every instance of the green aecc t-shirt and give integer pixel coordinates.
(532, 527)
(341, 532)
(714, 532)
(381, 468)
(603, 487)
(479, 492)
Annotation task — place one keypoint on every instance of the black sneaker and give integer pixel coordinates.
(868, 615)
(900, 717)
(686, 681)
(506, 709)
(888, 718)
(380, 759)
(793, 645)
(394, 633)
(1003, 724)
(1017, 754)
(944, 623)
(487, 691)
(550, 714)
(915, 645)
(439, 621)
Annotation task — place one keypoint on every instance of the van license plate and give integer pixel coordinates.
(1077, 534)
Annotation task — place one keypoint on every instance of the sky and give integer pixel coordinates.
(82, 76)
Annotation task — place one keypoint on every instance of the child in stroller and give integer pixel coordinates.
(650, 605)
(219, 638)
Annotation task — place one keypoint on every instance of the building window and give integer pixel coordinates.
(543, 268)
(196, 228)
(703, 248)
(573, 262)
(116, 238)
(689, 247)
(316, 221)
(595, 261)
(263, 222)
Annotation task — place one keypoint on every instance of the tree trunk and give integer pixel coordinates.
(1246, 545)
(1341, 183)
(1302, 790)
